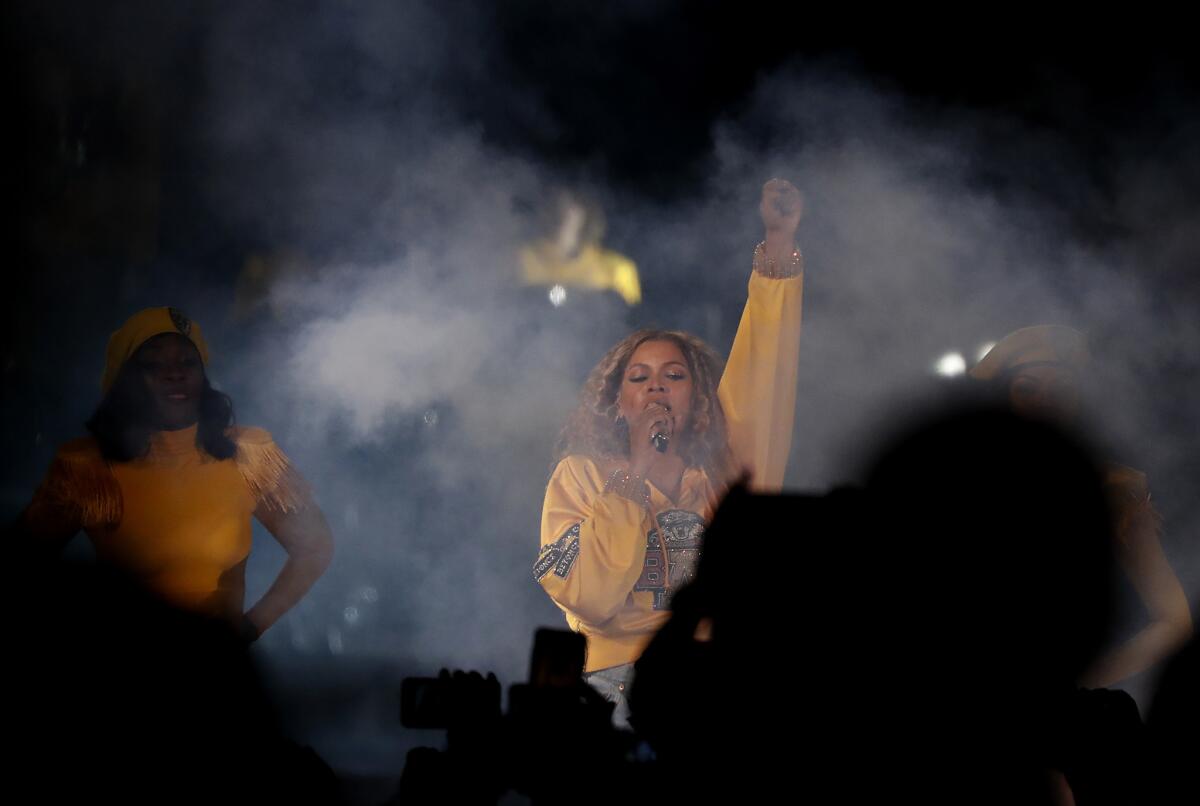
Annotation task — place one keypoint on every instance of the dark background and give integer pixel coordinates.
(112, 161)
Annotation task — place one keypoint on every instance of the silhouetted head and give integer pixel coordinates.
(1038, 371)
(999, 527)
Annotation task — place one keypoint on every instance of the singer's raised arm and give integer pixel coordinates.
(758, 387)
(657, 434)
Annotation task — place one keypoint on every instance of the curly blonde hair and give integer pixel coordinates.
(595, 428)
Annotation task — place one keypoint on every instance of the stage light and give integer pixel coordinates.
(557, 295)
(950, 364)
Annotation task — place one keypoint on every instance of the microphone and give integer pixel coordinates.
(660, 441)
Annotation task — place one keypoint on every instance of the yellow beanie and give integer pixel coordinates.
(1041, 344)
(140, 328)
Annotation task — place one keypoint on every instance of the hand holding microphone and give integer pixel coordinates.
(662, 426)
(652, 430)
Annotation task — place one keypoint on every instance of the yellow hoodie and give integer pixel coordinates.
(601, 557)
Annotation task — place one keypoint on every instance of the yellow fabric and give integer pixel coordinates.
(758, 389)
(268, 473)
(601, 559)
(592, 573)
(1039, 344)
(78, 492)
(177, 519)
(593, 267)
(140, 328)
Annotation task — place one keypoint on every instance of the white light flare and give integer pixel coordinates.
(557, 295)
(950, 365)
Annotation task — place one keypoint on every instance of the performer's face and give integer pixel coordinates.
(174, 374)
(1044, 391)
(657, 373)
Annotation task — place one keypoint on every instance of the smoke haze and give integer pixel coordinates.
(365, 152)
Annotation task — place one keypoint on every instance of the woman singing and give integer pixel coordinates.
(165, 486)
(659, 432)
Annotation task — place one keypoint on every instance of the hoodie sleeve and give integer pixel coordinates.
(758, 388)
(593, 543)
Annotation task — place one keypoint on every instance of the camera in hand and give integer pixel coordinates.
(509, 751)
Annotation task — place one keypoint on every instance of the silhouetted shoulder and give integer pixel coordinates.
(1126, 482)
(1134, 514)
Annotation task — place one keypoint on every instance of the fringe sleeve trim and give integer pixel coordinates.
(80, 483)
(1129, 497)
(268, 473)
